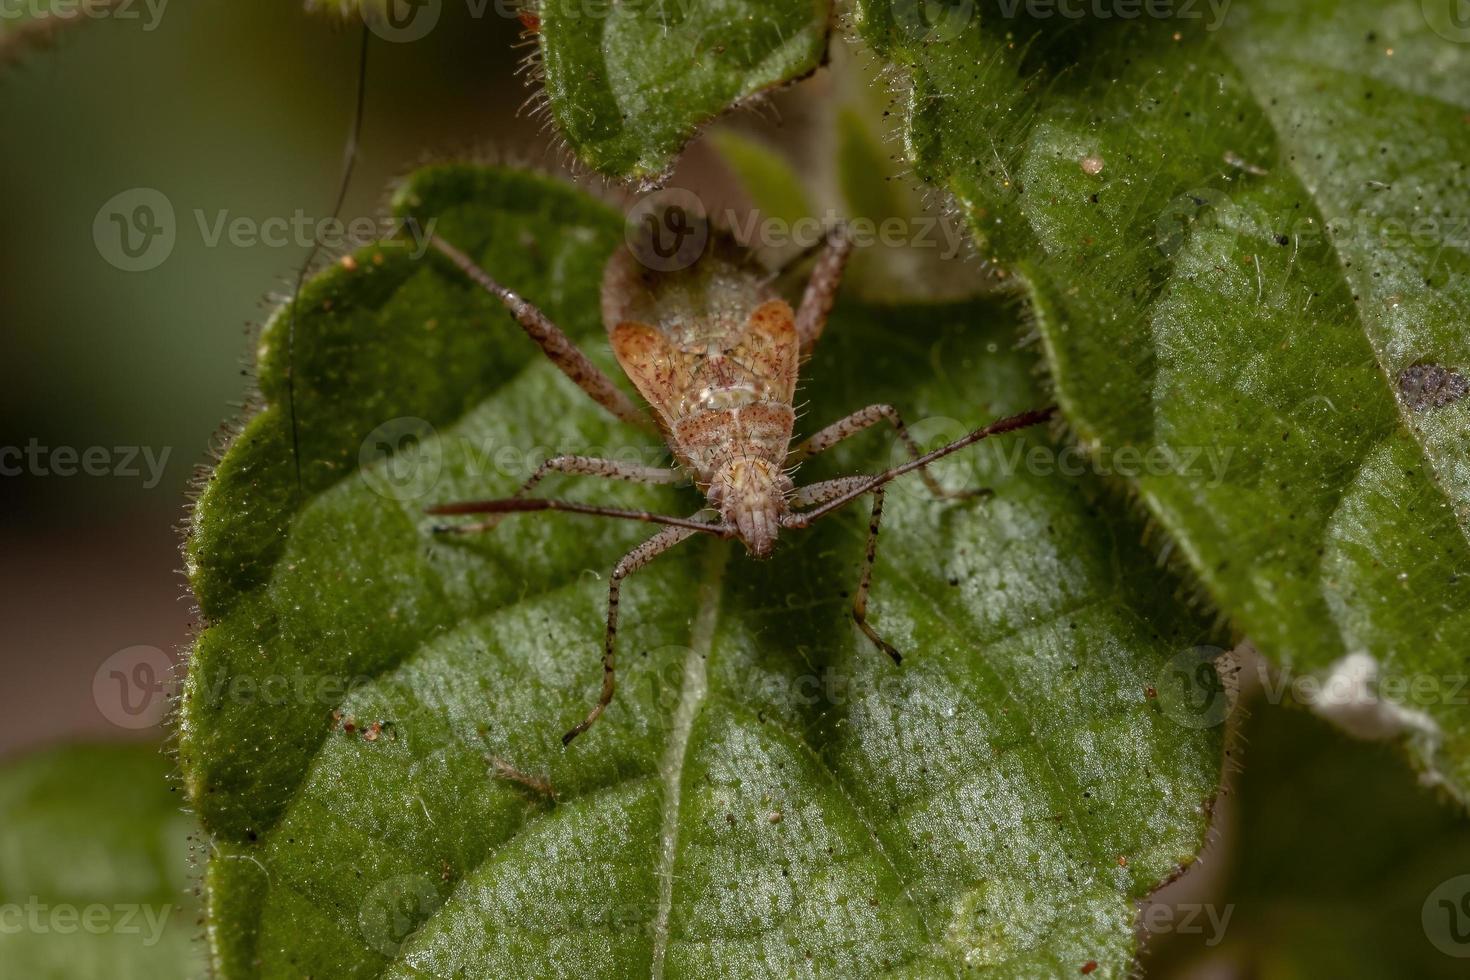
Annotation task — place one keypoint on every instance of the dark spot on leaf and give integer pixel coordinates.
(1426, 386)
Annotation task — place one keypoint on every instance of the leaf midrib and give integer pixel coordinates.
(693, 691)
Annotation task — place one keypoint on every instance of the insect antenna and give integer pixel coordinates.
(349, 162)
(523, 505)
(1007, 424)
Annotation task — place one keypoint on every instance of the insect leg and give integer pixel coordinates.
(846, 486)
(553, 342)
(632, 561)
(821, 288)
(820, 493)
(612, 469)
(525, 505)
(860, 602)
(844, 497)
(536, 784)
(859, 421)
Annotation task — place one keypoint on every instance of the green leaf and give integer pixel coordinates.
(1249, 243)
(908, 251)
(768, 793)
(774, 188)
(1353, 897)
(628, 84)
(94, 867)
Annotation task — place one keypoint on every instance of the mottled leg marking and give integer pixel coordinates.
(528, 505)
(860, 602)
(821, 288)
(863, 419)
(553, 342)
(632, 561)
(819, 493)
(576, 466)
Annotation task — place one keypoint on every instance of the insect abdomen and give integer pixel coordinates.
(712, 438)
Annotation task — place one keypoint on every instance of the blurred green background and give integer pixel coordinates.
(1326, 850)
(241, 108)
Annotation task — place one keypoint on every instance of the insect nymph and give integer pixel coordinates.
(715, 351)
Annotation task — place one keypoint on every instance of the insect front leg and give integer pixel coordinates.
(860, 601)
(863, 419)
(632, 561)
(821, 288)
(557, 346)
(611, 469)
(843, 487)
(819, 493)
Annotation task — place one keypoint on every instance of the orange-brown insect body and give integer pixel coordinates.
(715, 352)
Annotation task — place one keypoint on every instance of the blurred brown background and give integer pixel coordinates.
(241, 108)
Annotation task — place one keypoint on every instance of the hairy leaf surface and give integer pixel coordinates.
(629, 83)
(1246, 241)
